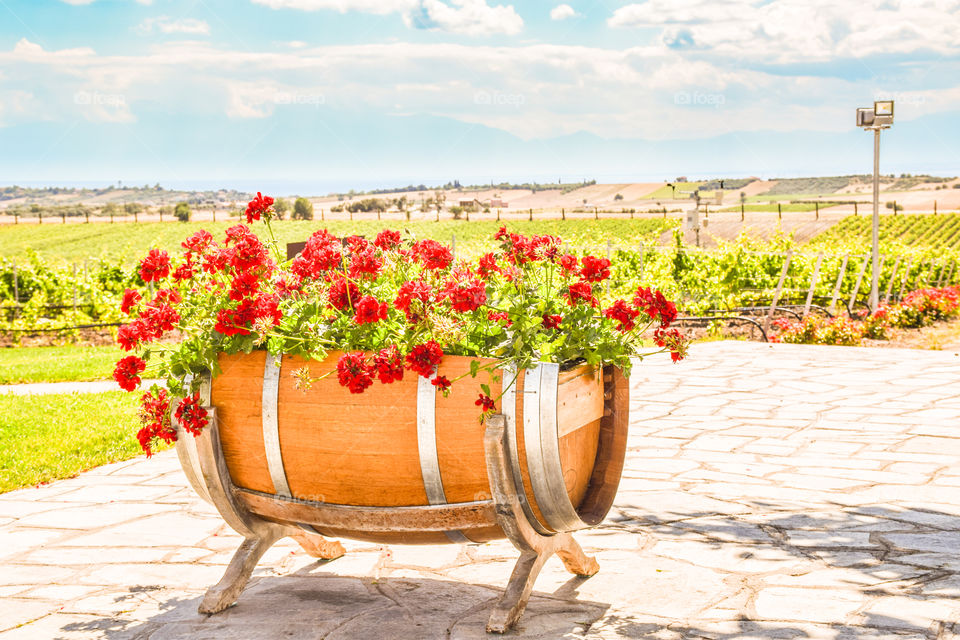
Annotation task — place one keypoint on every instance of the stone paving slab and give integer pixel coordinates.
(771, 491)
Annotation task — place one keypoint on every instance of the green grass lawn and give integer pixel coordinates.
(48, 437)
(129, 241)
(57, 364)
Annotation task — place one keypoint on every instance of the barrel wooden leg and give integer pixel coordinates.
(225, 593)
(535, 549)
(259, 534)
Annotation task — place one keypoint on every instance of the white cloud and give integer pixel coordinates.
(145, 3)
(562, 12)
(537, 90)
(468, 17)
(787, 31)
(77, 3)
(164, 24)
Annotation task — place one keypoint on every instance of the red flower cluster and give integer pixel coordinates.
(389, 365)
(130, 299)
(424, 358)
(368, 310)
(520, 249)
(413, 298)
(623, 314)
(581, 292)
(343, 293)
(466, 295)
(191, 416)
(441, 383)
(156, 266)
(552, 321)
(353, 372)
(656, 306)
(387, 240)
(322, 253)
(672, 340)
(265, 307)
(431, 254)
(155, 415)
(127, 372)
(259, 206)
(485, 402)
(595, 269)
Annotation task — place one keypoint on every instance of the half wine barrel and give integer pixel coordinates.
(401, 463)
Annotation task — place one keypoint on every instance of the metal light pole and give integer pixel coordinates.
(878, 118)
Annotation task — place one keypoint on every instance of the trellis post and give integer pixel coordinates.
(836, 288)
(893, 276)
(856, 288)
(776, 294)
(813, 284)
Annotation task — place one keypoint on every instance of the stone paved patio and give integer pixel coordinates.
(771, 491)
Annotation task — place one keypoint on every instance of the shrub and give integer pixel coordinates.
(182, 212)
(302, 209)
(281, 208)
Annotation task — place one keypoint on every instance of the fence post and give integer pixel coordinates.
(63, 217)
(214, 213)
(893, 276)
(779, 212)
(498, 214)
(813, 284)
(836, 287)
(855, 209)
(741, 211)
(322, 218)
(894, 207)
(776, 294)
(940, 273)
(934, 207)
(596, 214)
(87, 215)
(351, 215)
(563, 214)
(136, 216)
(378, 215)
(856, 288)
(531, 215)
(816, 205)
(40, 214)
(111, 216)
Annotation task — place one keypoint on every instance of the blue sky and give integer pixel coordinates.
(366, 92)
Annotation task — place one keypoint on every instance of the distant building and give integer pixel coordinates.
(681, 179)
(497, 203)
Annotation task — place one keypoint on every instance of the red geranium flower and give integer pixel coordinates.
(369, 310)
(191, 416)
(424, 358)
(389, 365)
(258, 206)
(387, 240)
(441, 383)
(432, 254)
(466, 295)
(343, 293)
(485, 402)
(353, 372)
(198, 242)
(581, 292)
(155, 266)
(130, 298)
(656, 305)
(595, 269)
(552, 321)
(127, 372)
(623, 314)
(365, 263)
(410, 292)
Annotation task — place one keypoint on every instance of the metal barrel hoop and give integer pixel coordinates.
(508, 405)
(427, 447)
(270, 421)
(541, 441)
(187, 446)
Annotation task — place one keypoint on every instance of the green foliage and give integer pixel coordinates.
(281, 208)
(828, 184)
(182, 212)
(302, 209)
(938, 231)
(52, 436)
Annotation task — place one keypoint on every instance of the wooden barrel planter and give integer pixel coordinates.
(401, 463)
